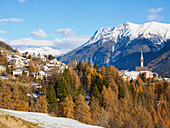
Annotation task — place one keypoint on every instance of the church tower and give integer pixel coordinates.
(141, 59)
(141, 68)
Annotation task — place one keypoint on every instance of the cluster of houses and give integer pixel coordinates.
(129, 75)
(20, 65)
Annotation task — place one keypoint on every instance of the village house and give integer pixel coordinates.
(39, 75)
(139, 70)
(17, 72)
(2, 69)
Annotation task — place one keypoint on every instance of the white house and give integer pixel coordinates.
(26, 62)
(17, 72)
(39, 75)
(2, 69)
(129, 74)
(19, 63)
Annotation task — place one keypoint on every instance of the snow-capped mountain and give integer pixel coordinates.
(121, 46)
(156, 32)
(43, 51)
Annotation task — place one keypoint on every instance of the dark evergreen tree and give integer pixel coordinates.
(120, 88)
(62, 89)
(51, 98)
(50, 57)
(95, 67)
(67, 77)
(95, 92)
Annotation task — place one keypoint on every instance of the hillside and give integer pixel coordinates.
(47, 121)
(7, 121)
(4, 46)
(161, 61)
(121, 46)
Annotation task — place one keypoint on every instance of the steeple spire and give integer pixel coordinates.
(141, 59)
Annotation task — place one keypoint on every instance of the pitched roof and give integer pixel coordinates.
(141, 69)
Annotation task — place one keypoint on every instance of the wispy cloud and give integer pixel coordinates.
(66, 44)
(13, 20)
(155, 10)
(39, 34)
(5, 40)
(66, 32)
(21, 1)
(153, 17)
(70, 43)
(2, 31)
(154, 14)
(31, 42)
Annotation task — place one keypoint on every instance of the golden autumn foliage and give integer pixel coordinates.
(102, 71)
(167, 122)
(40, 104)
(3, 60)
(69, 107)
(12, 98)
(82, 110)
(105, 96)
(22, 107)
(95, 111)
(99, 97)
(60, 111)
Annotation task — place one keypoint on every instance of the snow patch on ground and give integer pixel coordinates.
(47, 121)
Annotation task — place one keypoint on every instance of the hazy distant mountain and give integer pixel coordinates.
(121, 46)
(43, 51)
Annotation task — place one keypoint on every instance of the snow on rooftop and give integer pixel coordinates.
(47, 121)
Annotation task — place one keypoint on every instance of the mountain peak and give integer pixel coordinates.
(121, 46)
(151, 30)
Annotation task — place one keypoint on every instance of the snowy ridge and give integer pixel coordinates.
(156, 32)
(47, 121)
(43, 51)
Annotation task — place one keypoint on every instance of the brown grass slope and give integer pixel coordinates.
(4, 46)
(7, 121)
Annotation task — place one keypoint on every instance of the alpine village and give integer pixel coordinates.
(85, 64)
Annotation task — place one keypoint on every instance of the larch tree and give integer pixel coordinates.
(82, 110)
(3, 60)
(31, 66)
(5, 96)
(102, 71)
(40, 104)
(105, 96)
(69, 107)
(75, 63)
(95, 111)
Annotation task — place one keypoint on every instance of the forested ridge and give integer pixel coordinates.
(94, 96)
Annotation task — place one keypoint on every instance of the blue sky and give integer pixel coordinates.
(67, 24)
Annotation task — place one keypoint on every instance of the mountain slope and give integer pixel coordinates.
(5, 46)
(44, 120)
(161, 61)
(7, 121)
(121, 46)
